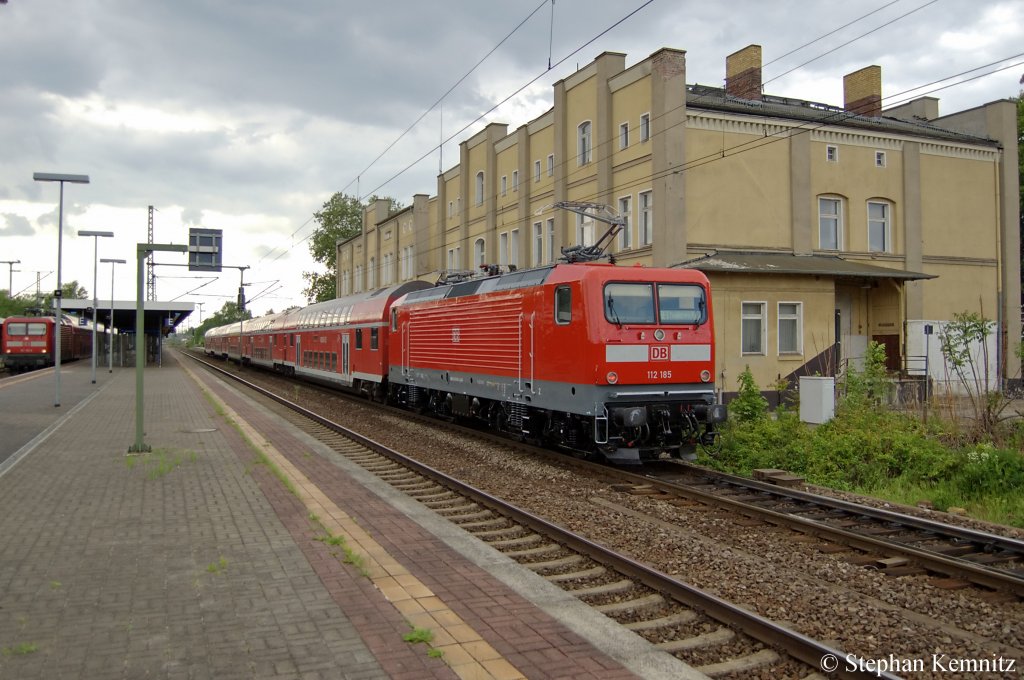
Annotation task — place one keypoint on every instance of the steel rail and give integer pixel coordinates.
(795, 644)
(989, 577)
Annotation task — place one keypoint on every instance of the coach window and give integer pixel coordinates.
(373, 338)
(359, 338)
(563, 305)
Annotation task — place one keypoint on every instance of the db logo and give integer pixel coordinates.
(455, 336)
(659, 352)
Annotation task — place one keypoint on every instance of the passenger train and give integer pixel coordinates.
(602, 360)
(28, 341)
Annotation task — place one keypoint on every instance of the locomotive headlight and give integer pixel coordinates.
(643, 335)
(659, 335)
(613, 377)
(705, 375)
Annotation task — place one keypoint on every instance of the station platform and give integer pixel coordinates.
(241, 548)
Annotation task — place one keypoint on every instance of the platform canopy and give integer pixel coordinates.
(158, 315)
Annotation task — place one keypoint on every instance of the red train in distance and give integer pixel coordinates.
(605, 361)
(28, 341)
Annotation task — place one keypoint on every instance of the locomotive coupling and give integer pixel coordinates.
(629, 416)
(715, 413)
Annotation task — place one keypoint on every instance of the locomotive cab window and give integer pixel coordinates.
(563, 305)
(682, 304)
(629, 303)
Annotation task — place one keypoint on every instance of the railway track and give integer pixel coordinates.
(718, 638)
(895, 543)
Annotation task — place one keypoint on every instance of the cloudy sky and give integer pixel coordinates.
(247, 115)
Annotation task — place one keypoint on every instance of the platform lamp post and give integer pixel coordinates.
(61, 178)
(95, 301)
(110, 364)
(141, 253)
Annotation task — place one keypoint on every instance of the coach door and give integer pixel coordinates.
(345, 368)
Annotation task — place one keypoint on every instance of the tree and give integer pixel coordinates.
(16, 306)
(340, 218)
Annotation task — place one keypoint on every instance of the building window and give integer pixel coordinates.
(357, 285)
(646, 218)
(480, 188)
(515, 180)
(451, 259)
(879, 159)
(513, 248)
(371, 274)
(624, 135)
(408, 263)
(879, 232)
(478, 252)
(625, 211)
(503, 248)
(830, 223)
(790, 328)
(584, 230)
(451, 205)
(645, 127)
(385, 275)
(583, 148)
(832, 153)
(536, 171)
(551, 164)
(752, 328)
(551, 239)
(538, 243)
(504, 185)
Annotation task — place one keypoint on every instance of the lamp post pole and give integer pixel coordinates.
(110, 364)
(59, 316)
(141, 253)
(95, 301)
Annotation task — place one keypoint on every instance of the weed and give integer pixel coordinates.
(21, 649)
(217, 567)
(55, 585)
(435, 653)
(417, 635)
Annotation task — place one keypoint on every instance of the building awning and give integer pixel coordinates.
(787, 263)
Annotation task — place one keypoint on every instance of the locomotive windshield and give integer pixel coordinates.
(26, 329)
(636, 303)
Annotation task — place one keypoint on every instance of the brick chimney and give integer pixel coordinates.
(743, 73)
(862, 92)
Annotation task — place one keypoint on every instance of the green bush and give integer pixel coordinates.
(874, 450)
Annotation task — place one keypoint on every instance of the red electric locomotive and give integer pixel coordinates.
(28, 341)
(589, 357)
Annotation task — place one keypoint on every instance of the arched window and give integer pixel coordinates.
(585, 147)
(879, 226)
(830, 223)
(480, 188)
(478, 252)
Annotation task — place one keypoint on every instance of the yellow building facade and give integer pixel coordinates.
(821, 228)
